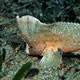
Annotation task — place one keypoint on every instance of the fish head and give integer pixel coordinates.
(27, 21)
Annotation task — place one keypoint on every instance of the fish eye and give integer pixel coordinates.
(31, 46)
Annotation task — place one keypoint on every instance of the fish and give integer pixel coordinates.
(50, 41)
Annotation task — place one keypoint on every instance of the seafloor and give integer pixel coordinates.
(11, 40)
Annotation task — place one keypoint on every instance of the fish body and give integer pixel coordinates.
(43, 38)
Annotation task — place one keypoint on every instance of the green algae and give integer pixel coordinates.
(24, 69)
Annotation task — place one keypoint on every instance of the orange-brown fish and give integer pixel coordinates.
(45, 39)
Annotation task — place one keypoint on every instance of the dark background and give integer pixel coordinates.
(46, 10)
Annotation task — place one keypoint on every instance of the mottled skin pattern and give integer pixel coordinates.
(43, 38)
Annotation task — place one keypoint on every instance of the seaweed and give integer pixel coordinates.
(2, 57)
(21, 72)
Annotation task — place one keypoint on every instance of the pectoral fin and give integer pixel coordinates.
(52, 58)
(27, 49)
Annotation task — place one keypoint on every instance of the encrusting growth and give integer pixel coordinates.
(45, 39)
